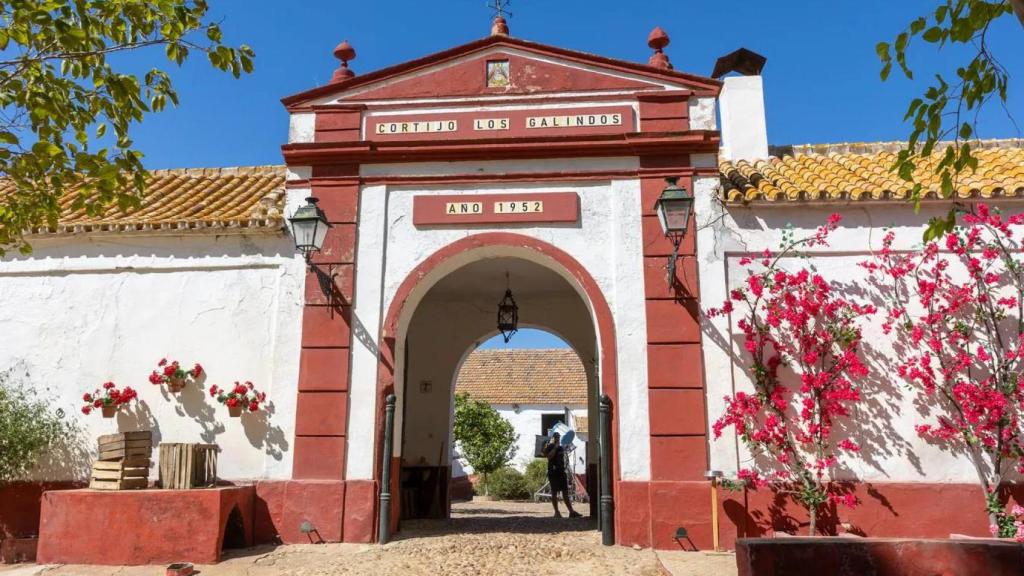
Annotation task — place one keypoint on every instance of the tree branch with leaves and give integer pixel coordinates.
(948, 110)
(62, 100)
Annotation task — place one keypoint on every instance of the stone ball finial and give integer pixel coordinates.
(658, 40)
(499, 27)
(344, 52)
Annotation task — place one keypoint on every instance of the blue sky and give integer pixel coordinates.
(821, 80)
(527, 338)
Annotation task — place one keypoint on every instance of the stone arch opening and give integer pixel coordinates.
(549, 380)
(447, 307)
(234, 531)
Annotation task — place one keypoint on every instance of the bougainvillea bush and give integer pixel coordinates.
(954, 306)
(243, 396)
(802, 338)
(107, 395)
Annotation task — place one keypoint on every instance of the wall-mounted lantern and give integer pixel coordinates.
(674, 207)
(508, 314)
(309, 228)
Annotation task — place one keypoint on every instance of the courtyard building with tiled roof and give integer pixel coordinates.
(493, 186)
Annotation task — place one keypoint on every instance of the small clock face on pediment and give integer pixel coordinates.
(498, 74)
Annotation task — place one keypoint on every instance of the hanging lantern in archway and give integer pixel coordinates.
(508, 314)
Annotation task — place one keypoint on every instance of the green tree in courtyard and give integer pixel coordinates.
(948, 109)
(29, 428)
(487, 440)
(66, 110)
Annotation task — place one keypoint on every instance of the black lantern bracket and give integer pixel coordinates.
(309, 228)
(674, 207)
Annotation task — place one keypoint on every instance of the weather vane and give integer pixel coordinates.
(500, 7)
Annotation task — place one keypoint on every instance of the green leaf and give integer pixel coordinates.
(49, 149)
(886, 69)
(8, 138)
(882, 49)
(933, 34)
(966, 131)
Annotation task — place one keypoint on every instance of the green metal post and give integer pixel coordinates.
(384, 531)
(607, 501)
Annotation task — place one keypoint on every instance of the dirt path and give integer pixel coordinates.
(494, 538)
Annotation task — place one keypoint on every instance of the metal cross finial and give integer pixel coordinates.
(500, 7)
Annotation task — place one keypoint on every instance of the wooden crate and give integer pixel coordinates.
(187, 466)
(114, 447)
(121, 484)
(127, 475)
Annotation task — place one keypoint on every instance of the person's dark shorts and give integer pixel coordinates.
(559, 483)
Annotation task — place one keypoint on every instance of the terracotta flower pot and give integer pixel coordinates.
(109, 410)
(234, 411)
(176, 385)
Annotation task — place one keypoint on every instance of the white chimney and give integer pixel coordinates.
(741, 105)
(744, 129)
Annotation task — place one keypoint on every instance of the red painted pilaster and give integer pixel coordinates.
(322, 407)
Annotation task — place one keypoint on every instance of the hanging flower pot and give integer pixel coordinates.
(239, 398)
(173, 375)
(107, 399)
(175, 385)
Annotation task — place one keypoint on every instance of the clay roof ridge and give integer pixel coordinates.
(892, 146)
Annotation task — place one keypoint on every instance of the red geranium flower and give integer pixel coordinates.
(232, 402)
(87, 397)
(254, 406)
(163, 362)
(86, 410)
(108, 385)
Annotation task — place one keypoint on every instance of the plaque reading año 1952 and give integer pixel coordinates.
(462, 209)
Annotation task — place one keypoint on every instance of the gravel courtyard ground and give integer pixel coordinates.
(493, 538)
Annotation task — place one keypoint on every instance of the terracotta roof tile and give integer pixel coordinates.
(219, 199)
(518, 376)
(852, 172)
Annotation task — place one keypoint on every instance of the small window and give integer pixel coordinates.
(549, 420)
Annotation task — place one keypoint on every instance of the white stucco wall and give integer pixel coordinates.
(884, 422)
(607, 242)
(84, 310)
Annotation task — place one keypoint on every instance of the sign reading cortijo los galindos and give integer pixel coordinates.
(509, 123)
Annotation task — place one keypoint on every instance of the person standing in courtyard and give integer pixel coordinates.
(557, 477)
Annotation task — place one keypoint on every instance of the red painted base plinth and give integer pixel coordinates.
(18, 550)
(876, 557)
(335, 511)
(135, 527)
